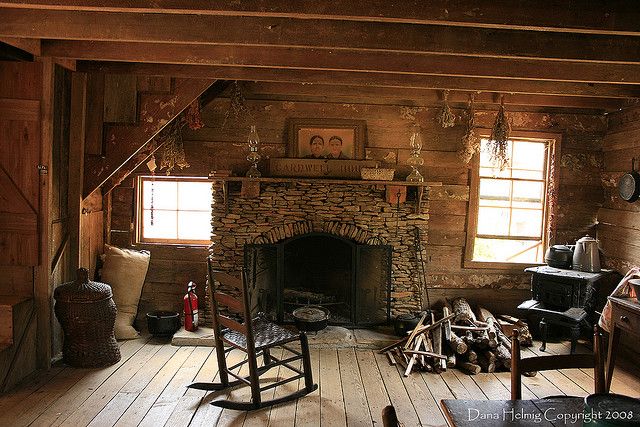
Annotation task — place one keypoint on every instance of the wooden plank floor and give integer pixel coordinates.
(147, 388)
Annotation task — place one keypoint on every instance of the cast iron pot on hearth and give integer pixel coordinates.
(311, 318)
(163, 323)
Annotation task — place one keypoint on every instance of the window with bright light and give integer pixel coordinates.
(174, 210)
(509, 208)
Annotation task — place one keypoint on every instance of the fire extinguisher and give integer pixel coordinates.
(191, 308)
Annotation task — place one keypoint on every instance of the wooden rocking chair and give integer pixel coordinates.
(256, 337)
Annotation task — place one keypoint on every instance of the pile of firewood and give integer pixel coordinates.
(472, 342)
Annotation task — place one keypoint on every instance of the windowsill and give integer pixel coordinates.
(173, 245)
(506, 266)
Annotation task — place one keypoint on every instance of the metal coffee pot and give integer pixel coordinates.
(586, 256)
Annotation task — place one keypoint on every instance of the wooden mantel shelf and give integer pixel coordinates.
(323, 181)
(394, 189)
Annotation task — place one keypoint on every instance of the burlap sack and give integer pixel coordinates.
(125, 270)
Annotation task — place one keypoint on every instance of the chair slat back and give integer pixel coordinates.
(562, 361)
(230, 302)
(237, 306)
(558, 361)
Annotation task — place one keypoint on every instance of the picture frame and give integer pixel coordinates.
(341, 138)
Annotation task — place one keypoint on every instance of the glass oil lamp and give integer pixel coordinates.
(414, 159)
(253, 157)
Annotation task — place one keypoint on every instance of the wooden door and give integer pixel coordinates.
(20, 138)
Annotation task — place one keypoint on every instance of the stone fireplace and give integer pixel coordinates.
(339, 245)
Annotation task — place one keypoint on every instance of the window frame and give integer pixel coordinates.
(553, 143)
(138, 221)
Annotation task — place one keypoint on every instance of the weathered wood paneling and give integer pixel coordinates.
(619, 221)
(222, 145)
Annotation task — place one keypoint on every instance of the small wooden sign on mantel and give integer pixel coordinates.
(318, 168)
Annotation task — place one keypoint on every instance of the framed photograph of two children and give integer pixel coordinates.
(326, 138)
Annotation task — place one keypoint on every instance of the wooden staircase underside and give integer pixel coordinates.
(127, 146)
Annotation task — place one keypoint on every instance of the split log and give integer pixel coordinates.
(446, 324)
(439, 365)
(435, 324)
(470, 368)
(457, 344)
(486, 316)
(486, 364)
(392, 360)
(401, 358)
(462, 310)
(451, 361)
(415, 332)
(524, 337)
(470, 328)
(393, 345)
(471, 356)
(416, 346)
(489, 355)
(426, 353)
(503, 357)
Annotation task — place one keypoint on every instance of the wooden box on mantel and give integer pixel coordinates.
(318, 168)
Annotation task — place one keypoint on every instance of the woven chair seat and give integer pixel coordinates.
(266, 334)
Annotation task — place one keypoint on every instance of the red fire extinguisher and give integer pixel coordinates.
(191, 308)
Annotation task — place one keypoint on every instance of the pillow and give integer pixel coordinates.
(124, 270)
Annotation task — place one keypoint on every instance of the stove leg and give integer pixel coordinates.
(575, 334)
(543, 333)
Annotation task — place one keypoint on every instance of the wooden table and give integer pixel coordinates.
(625, 316)
(553, 411)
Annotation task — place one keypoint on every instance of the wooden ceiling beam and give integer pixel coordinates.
(261, 31)
(420, 97)
(371, 79)
(345, 60)
(610, 17)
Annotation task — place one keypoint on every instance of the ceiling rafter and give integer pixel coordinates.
(261, 31)
(344, 60)
(612, 17)
(366, 79)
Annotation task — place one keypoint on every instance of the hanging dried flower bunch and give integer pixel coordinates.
(470, 140)
(172, 147)
(498, 143)
(193, 115)
(446, 118)
(238, 106)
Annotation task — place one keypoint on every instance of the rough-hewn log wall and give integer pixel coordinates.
(619, 221)
(388, 132)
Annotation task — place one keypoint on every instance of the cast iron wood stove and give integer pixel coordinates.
(567, 298)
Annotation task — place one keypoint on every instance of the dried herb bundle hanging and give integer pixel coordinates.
(193, 115)
(238, 106)
(172, 149)
(446, 118)
(470, 140)
(498, 143)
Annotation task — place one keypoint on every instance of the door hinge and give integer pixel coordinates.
(43, 169)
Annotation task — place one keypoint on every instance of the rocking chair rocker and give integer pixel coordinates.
(256, 337)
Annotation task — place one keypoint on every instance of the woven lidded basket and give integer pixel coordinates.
(87, 314)
(377, 174)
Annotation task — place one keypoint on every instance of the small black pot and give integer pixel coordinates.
(163, 323)
(404, 323)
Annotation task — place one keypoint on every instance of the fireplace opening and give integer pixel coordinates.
(350, 279)
(318, 270)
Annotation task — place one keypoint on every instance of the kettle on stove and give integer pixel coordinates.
(586, 256)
